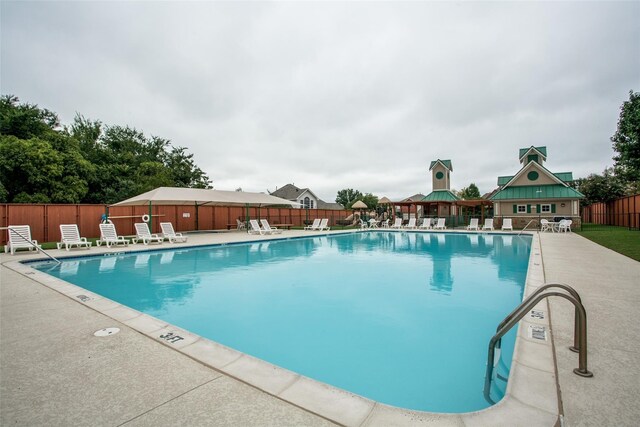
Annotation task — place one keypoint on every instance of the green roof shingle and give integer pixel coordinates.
(447, 163)
(523, 151)
(441, 196)
(554, 191)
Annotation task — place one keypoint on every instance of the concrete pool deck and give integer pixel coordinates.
(53, 370)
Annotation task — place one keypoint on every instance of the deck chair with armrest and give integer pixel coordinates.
(324, 225)
(314, 226)
(473, 224)
(20, 238)
(109, 236)
(488, 224)
(70, 237)
(169, 233)
(507, 224)
(268, 228)
(143, 233)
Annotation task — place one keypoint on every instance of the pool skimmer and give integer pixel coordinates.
(106, 332)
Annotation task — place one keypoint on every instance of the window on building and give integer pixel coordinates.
(311, 204)
(301, 204)
(306, 203)
(522, 208)
(545, 208)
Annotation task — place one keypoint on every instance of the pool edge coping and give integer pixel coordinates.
(531, 390)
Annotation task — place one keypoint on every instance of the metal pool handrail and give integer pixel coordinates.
(525, 227)
(522, 309)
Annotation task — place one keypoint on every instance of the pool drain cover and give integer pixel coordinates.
(106, 332)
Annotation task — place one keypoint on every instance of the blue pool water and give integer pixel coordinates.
(400, 318)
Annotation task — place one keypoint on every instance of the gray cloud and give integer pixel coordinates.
(334, 95)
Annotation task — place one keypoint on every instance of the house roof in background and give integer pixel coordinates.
(441, 196)
(540, 150)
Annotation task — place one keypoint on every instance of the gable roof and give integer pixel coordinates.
(291, 192)
(326, 205)
(540, 150)
(441, 196)
(446, 163)
(563, 176)
(542, 169)
(414, 198)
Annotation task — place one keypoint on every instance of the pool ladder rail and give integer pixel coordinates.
(579, 329)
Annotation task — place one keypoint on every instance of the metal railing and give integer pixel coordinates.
(525, 227)
(37, 247)
(580, 330)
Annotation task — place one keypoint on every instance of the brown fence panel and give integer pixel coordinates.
(31, 215)
(89, 217)
(56, 215)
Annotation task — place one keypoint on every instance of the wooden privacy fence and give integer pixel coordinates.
(623, 212)
(45, 219)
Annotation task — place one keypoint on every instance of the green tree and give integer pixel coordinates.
(626, 141)
(348, 197)
(470, 193)
(600, 188)
(370, 200)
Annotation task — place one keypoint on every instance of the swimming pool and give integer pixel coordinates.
(401, 318)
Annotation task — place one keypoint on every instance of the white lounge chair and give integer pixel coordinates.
(473, 224)
(70, 237)
(169, 233)
(565, 226)
(109, 236)
(411, 224)
(397, 223)
(20, 237)
(426, 224)
(254, 227)
(324, 225)
(143, 233)
(441, 224)
(314, 226)
(488, 224)
(507, 224)
(269, 229)
(240, 225)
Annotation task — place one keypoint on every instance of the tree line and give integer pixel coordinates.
(85, 162)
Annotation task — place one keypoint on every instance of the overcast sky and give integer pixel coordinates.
(332, 95)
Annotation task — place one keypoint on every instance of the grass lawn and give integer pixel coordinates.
(619, 239)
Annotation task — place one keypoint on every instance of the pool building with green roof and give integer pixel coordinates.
(535, 192)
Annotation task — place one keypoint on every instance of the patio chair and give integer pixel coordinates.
(565, 226)
(70, 237)
(240, 225)
(473, 224)
(314, 226)
(488, 224)
(20, 237)
(507, 224)
(363, 225)
(255, 227)
(411, 224)
(109, 236)
(269, 229)
(545, 225)
(324, 225)
(441, 224)
(397, 223)
(426, 224)
(169, 233)
(143, 233)
(385, 223)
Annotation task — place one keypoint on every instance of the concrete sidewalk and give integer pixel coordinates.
(609, 284)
